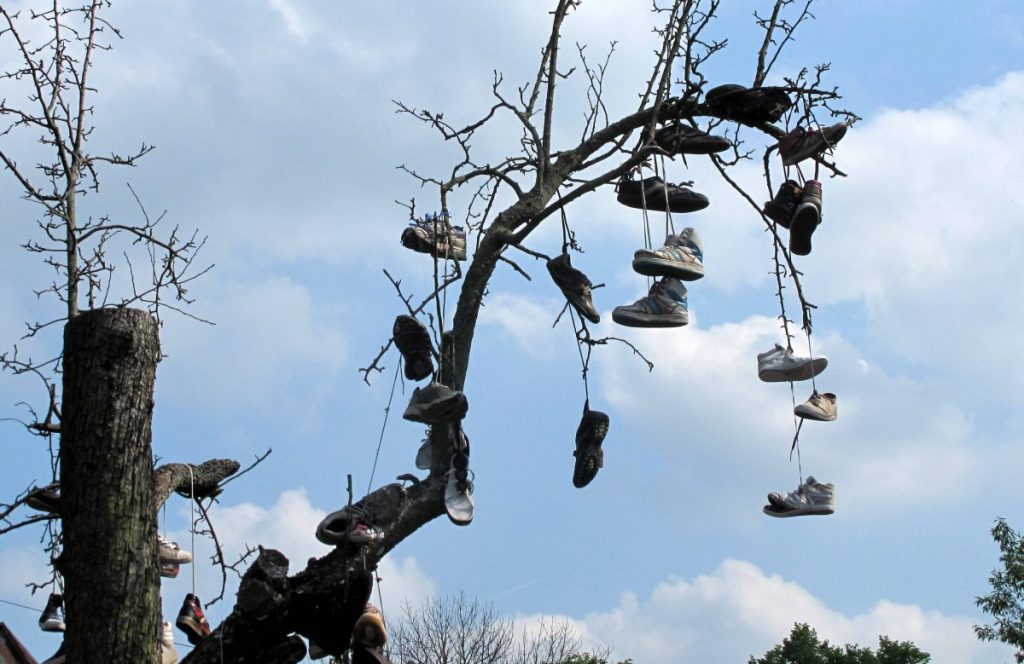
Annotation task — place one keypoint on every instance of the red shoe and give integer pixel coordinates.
(192, 621)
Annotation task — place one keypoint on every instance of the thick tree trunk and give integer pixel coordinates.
(109, 564)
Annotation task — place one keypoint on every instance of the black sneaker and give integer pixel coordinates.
(782, 208)
(654, 194)
(806, 219)
(436, 404)
(802, 143)
(52, 619)
(680, 138)
(589, 455)
(413, 342)
(44, 499)
(192, 621)
(429, 237)
(748, 105)
(574, 286)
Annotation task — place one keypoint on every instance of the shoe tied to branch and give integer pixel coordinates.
(458, 493)
(57, 657)
(747, 105)
(575, 286)
(589, 455)
(369, 630)
(811, 497)
(44, 499)
(805, 219)
(779, 365)
(803, 143)
(678, 137)
(361, 532)
(654, 194)
(436, 404)
(170, 552)
(664, 306)
(430, 236)
(52, 618)
(821, 407)
(680, 258)
(782, 208)
(165, 644)
(413, 342)
(192, 621)
(169, 570)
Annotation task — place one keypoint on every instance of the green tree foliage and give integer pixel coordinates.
(1004, 603)
(802, 646)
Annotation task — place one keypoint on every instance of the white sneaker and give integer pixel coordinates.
(458, 494)
(779, 365)
(821, 407)
(811, 497)
(165, 644)
(170, 552)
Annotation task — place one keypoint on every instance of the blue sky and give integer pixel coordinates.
(276, 137)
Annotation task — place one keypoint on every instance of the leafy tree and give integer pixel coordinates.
(1006, 601)
(802, 646)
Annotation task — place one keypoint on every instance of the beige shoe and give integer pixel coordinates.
(821, 407)
(369, 629)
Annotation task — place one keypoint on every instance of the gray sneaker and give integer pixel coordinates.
(664, 306)
(680, 258)
(779, 365)
(811, 497)
(436, 404)
(821, 407)
(802, 143)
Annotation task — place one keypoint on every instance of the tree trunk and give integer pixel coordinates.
(112, 597)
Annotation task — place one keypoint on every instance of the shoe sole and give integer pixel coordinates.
(181, 558)
(660, 267)
(630, 319)
(805, 371)
(809, 511)
(805, 221)
(53, 626)
(656, 203)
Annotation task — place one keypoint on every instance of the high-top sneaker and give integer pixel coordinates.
(806, 219)
(664, 306)
(782, 208)
(589, 455)
(192, 621)
(680, 258)
(52, 619)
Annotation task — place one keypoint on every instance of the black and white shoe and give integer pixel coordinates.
(52, 619)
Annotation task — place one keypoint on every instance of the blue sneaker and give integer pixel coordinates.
(680, 258)
(664, 306)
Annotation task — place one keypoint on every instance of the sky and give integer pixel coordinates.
(276, 137)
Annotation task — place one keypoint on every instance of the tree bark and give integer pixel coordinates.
(112, 597)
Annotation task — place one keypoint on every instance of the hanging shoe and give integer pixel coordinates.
(57, 657)
(805, 219)
(679, 138)
(192, 621)
(170, 552)
(589, 455)
(575, 286)
(651, 194)
(820, 407)
(52, 618)
(802, 143)
(430, 237)
(782, 208)
(779, 365)
(664, 306)
(165, 644)
(680, 258)
(169, 570)
(333, 529)
(458, 493)
(811, 497)
(747, 105)
(436, 404)
(369, 630)
(413, 342)
(44, 499)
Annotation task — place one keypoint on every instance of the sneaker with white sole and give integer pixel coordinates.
(165, 644)
(779, 365)
(821, 407)
(458, 493)
(664, 306)
(170, 552)
(811, 497)
(680, 258)
(52, 619)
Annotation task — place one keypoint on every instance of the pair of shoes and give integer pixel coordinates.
(369, 630)
(664, 306)
(747, 105)
(779, 365)
(192, 621)
(575, 286)
(820, 407)
(802, 143)
(169, 570)
(45, 499)
(666, 303)
(677, 137)
(165, 644)
(413, 342)
(811, 497)
(431, 236)
(653, 193)
(458, 492)
(52, 618)
(436, 404)
(170, 552)
(589, 456)
(798, 209)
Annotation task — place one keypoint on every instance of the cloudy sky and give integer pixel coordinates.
(276, 137)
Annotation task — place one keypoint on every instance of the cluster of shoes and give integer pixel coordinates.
(434, 235)
(781, 365)
(441, 408)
